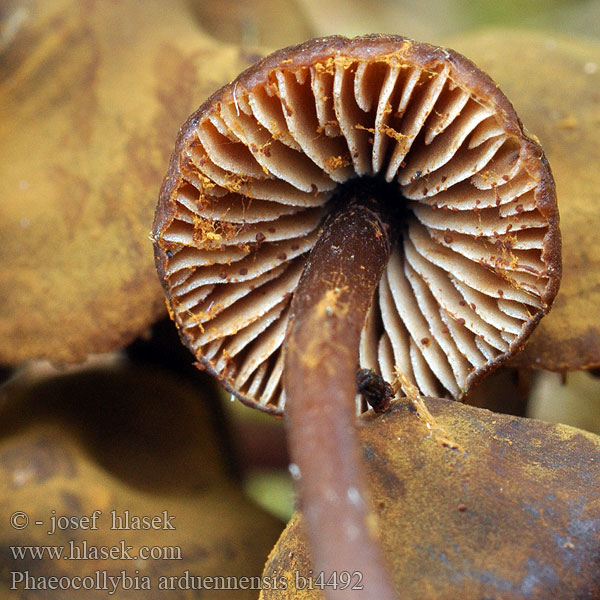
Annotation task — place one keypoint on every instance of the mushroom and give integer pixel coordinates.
(367, 202)
(89, 96)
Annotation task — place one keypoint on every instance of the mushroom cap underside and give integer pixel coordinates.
(477, 261)
(566, 119)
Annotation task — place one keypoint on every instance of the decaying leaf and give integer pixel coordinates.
(121, 440)
(554, 83)
(491, 507)
(91, 95)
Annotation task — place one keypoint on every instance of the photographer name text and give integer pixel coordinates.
(119, 521)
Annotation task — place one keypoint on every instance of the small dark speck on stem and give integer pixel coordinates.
(375, 389)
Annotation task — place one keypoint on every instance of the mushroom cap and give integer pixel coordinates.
(513, 513)
(90, 95)
(252, 177)
(554, 82)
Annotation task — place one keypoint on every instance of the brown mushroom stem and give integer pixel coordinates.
(328, 311)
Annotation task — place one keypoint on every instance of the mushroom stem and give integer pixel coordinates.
(321, 358)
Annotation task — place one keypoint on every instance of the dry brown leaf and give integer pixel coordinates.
(273, 23)
(513, 514)
(424, 21)
(434, 20)
(124, 439)
(570, 398)
(91, 96)
(554, 84)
